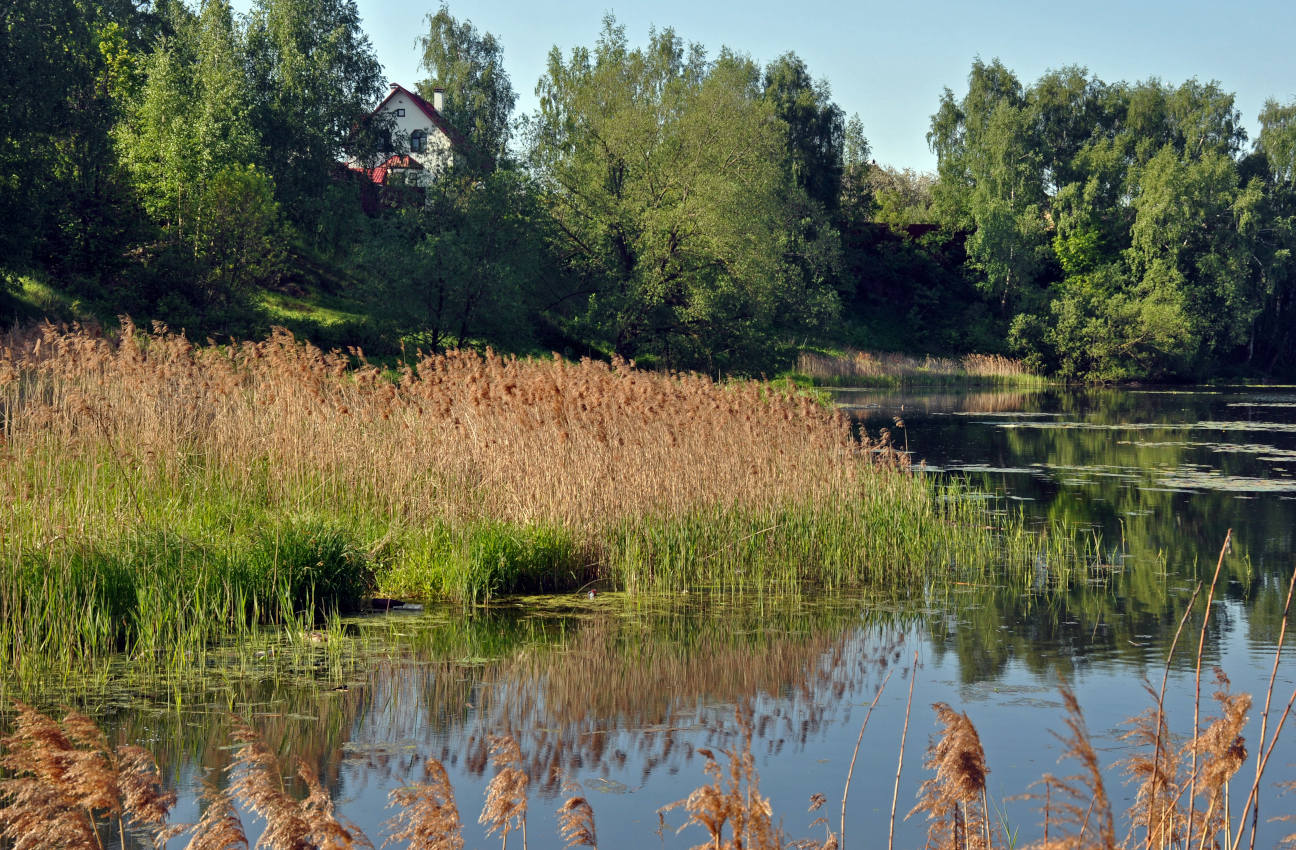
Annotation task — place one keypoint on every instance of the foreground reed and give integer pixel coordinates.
(67, 787)
(63, 784)
(874, 369)
(162, 495)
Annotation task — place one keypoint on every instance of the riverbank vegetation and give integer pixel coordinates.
(684, 207)
(162, 492)
(873, 369)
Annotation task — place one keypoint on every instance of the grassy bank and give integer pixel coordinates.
(160, 492)
(851, 368)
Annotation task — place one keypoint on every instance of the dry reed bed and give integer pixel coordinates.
(267, 478)
(876, 368)
(459, 435)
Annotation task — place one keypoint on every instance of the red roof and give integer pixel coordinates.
(456, 138)
(378, 173)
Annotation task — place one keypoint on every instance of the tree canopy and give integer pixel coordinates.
(685, 207)
(666, 174)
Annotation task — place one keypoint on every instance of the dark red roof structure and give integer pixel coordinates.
(378, 173)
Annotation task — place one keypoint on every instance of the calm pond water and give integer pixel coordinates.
(620, 694)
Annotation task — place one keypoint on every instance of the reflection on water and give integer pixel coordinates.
(620, 694)
(1163, 471)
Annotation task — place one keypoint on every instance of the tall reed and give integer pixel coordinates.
(162, 492)
(867, 368)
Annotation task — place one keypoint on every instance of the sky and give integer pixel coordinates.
(889, 62)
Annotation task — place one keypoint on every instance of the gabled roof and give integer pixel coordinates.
(457, 139)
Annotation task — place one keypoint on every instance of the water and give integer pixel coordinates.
(622, 694)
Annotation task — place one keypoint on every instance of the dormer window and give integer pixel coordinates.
(418, 141)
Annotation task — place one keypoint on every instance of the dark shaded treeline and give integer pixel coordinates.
(684, 209)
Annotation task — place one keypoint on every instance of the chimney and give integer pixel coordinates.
(438, 98)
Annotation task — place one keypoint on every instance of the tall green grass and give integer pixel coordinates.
(161, 597)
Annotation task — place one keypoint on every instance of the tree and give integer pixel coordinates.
(193, 151)
(315, 78)
(67, 64)
(992, 181)
(900, 197)
(816, 128)
(464, 265)
(479, 97)
(192, 120)
(1277, 141)
(665, 175)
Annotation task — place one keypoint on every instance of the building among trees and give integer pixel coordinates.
(421, 144)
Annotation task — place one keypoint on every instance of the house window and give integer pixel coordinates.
(418, 141)
(400, 112)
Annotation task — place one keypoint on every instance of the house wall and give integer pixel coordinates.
(437, 155)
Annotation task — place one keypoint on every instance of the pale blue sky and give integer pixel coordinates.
(889, 61)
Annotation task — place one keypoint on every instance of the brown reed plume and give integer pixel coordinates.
(64, 778)
(220, 827)
(428, 818)
(868, 364)
(955, 800)
(506, 795)
(308, 824)
(732, 800)
(576, 818)
(1155, 767)
(831, 841)
(1077, 803)
(1223, 752)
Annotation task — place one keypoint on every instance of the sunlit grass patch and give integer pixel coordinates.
(874, 369)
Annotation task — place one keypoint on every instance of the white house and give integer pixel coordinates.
(419, 128)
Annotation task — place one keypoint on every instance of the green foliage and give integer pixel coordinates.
(816, 128)
(665, 175)
(1115, 224)
(1278, 140)
(191, 147)
(238, 238)
(314, 78)
(479, 96)
(900, 197)
(61, 194)
(463, 266)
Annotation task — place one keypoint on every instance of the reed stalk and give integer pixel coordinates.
(904, 733)
(855, 754)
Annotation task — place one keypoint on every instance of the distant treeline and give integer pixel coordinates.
(686, 209)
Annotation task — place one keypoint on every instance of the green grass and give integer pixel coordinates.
(314, 306)
(184, 573)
